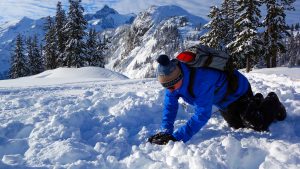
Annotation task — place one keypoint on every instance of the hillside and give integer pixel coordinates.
(103, 19)
(157, 30)
(99, 119)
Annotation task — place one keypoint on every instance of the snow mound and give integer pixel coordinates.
(64, 75)
(81, 73)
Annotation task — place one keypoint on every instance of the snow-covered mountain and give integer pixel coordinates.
(157, 30)
(100, 120)
(108, 18)
(27, 27)
(103, 19)
(16, 9)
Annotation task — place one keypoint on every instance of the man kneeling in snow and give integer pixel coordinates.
(240, 108)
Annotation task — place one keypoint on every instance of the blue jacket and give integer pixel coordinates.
(205, 83)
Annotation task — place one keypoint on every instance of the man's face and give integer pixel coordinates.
(175, 87)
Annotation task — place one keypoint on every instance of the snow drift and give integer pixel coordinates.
(64, 75)
(102, 120)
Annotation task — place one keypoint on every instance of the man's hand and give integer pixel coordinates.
(161, 138)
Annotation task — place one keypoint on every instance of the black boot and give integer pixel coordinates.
(252, 117)
(258, 98)
(273, 107)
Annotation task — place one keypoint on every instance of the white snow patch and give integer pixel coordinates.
(100, 119)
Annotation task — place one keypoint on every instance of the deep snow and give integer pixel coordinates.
(93, 118)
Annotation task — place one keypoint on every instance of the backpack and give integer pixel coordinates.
(204, 56)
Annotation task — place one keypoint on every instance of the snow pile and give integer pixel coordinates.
(63, 76)
(104, 122)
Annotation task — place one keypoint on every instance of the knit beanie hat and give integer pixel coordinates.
(168, 72)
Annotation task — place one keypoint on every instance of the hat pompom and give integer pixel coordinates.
(163, 60)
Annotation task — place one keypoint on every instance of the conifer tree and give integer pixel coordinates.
(297, 41)
(275, 29)
(50, 48)
(18, 60)
(214, 37)
(35, 62)
(29, 48)
(297, 26)
(229, 14)
(292, 56)
(75, 31)
(95, 50)
(247, 44)
(102, 47)
(60, 21)
(91, 47)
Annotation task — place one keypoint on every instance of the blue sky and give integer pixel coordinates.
(16, 9)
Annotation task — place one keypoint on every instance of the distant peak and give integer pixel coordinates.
(26, 18)
(106, 10)
(160, 13)
(105, 7)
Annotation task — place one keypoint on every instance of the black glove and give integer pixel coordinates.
(161, 138)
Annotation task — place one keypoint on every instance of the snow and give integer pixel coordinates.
(160, 13)
(62, 76)
(103, 19)
(288, 72)
(95, 118)
(16, 9)
(26, 27)
(137, 60)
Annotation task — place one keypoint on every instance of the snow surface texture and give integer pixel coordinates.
(102, 120)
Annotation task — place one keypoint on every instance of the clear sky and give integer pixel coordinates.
(16, 9)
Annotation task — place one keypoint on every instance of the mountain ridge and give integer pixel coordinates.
(28, 27)
(157, 30)
(109, 19)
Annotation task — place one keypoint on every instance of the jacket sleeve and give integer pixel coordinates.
(203, 107)
(169, 112)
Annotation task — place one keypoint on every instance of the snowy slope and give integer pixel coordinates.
(157, 30)
(103, 121)
(64, 76)
(25, 26)
(106, 18)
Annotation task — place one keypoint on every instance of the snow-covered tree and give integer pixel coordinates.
(35, 60)
(29, 50)
(215, 36)
(102, 48)
(95, 49)
(60, 21)
(75, 31)
(229, 10)
(91, 46)
(18, 60)
(275, 29)
(247, 44)
(297, 58)
(297, 26)
(50, 48)
(292, 55)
